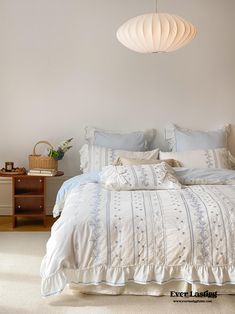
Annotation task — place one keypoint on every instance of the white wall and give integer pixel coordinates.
(61, 68)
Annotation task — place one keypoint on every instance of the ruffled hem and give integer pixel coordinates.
(144, 274)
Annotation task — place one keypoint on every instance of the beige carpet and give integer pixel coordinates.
(20, 258)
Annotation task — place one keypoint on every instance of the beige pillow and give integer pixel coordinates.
(122, 161)
(94, 158)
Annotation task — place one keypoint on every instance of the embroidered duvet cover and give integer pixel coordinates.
(115, 237)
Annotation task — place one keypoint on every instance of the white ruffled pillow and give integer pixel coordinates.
(94, 158)
(232, 160)
(210, 158)
(139, 177)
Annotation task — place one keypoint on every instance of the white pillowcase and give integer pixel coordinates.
(139, 177)
(94, 158)
(133, 141)
(211, 158)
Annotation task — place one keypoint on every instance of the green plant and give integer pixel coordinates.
(63, 147)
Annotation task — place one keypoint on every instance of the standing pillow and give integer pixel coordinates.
(180, 139)
(123, 161)
(135, 141)
(211, 158)
(139, 177)
(94, 158)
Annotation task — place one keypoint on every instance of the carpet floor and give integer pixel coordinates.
(20, 257)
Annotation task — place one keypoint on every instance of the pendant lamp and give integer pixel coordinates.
(156, 32)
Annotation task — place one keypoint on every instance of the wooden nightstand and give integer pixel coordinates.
(28, 193)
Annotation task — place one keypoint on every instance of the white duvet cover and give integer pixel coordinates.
(116, 237)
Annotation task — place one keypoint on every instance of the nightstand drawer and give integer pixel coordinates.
(32, 185)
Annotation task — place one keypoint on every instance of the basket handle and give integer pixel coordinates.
(41, 142)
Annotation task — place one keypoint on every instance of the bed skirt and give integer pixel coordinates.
(152, 289)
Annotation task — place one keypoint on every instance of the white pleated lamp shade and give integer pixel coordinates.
(156, 32)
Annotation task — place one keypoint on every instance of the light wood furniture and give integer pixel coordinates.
(28, 193)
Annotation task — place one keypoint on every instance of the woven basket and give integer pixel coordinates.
(42, 162)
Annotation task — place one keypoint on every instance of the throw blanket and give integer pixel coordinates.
(115, 237)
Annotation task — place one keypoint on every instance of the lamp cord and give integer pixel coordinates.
(156, 6)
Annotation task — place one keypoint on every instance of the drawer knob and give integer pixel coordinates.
(19, 180)
(40, 180)
(19, 206)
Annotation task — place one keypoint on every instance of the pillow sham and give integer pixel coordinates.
(134, 141)
(180, 139)
(232, 160)
(211, 158)
(139, 177)
(123, 161)
(94, 158)
(202, 176)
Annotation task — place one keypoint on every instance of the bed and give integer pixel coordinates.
(149, 240)
(143, 238)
